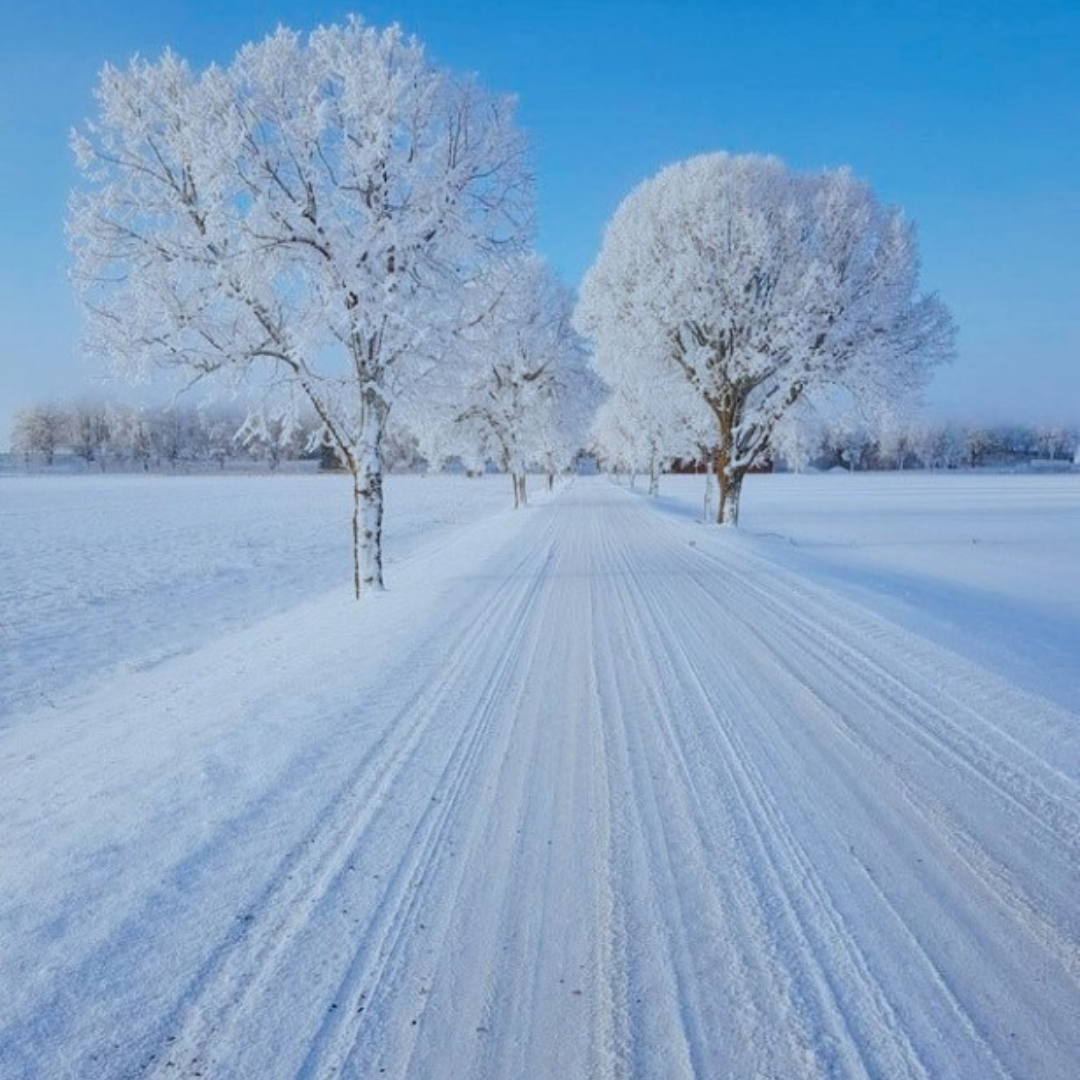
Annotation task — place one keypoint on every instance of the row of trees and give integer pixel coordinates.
(340, 229)
(514, 418)
(522, 407)
(109, 434)
(336, 224)
(648, 449)
(929, 445)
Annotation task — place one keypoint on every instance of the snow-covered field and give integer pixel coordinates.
(593, 790)
(105, 574)
(986, 564)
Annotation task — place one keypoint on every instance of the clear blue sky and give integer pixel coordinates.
(964, 112)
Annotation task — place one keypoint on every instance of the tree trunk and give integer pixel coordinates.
(730, 494)
(654, 474)
(729, 477)
(368, 496)
(520, 497)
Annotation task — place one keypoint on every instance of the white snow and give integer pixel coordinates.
(111, 572)
(591, 791)
(986, 564)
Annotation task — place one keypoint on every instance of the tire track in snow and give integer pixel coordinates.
(510, 961)
(833, 985)
(797, 657)
(665, 992)
(379, 967)
(805, 622)
(855, 1013)
(753, 881)
(239, 969)
(940, 817)
(1047, 797)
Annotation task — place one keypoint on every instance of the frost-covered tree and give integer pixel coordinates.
(518, 390)
(651, 415)
(616, 439)
(272, 435)
(88, 430)
(939, 446)
(797, 439)
(763, 288)
(298, 217)
(220, 423)
(176, 435)
(130, 437)
(641, 430)
(896, 443)
(846, 442)
(39, 429)
(1054, 442)
(977, 442)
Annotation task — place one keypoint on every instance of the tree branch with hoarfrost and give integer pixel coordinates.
(301, 218)
(519, 393)
(762, 289)
(642, 426)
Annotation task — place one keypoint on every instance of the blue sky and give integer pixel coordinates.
(965, 113)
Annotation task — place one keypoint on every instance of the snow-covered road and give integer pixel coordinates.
(583, 796)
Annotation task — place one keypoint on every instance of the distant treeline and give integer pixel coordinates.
(930, 445)
(109, 435)
(915, 445)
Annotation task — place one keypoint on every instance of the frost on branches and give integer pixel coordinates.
(642, 426)
(519, 392)
(762, 289)
(301, 218)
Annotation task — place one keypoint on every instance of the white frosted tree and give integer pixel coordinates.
(272, 435)
(39, 429)
(297, 218)
(797, 438)
(652, 415)
(88, 430)
(131, 440)
(763, 288)
(640, 429)
(1053, 442)
(517, 390)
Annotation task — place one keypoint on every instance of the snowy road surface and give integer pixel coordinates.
(581, 797)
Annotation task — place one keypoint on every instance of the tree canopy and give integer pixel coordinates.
(761, 288)
(302, 216)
